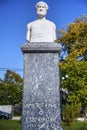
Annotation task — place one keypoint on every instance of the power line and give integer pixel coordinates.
(13, 69)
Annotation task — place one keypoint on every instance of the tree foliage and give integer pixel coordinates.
(11, 76)
(11, 89)
(75, 41)
(75, 37)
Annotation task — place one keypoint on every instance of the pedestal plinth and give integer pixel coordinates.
(41, 96)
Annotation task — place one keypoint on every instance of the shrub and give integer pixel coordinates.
(70, 113)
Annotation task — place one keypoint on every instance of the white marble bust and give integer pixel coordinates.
(41, 30)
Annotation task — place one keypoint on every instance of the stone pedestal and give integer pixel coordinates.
(41, 98)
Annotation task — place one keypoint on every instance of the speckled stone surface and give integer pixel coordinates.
(41, 99)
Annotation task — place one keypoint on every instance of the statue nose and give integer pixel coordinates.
(41, 9)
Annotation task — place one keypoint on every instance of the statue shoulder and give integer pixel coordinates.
(31, 23)
(52, 23)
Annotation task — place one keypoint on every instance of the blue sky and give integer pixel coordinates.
(14, 16)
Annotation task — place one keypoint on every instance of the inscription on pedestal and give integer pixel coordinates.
(42, 116)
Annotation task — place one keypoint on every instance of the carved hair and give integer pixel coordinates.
(41, 2)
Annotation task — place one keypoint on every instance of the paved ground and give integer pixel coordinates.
(81, 119)
(16, 118)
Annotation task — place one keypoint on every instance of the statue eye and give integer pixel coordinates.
(39, 6)
(43, 6)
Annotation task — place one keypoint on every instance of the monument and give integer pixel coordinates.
(41, 96)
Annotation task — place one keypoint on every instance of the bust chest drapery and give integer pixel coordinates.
(41, 31)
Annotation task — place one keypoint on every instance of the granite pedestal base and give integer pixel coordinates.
(41, 98)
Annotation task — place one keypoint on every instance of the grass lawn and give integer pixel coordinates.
(10, 125)
(16, 125)
(76, 126)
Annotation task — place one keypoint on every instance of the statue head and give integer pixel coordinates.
(41, 8)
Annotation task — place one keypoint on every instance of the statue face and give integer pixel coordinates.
(41, 10)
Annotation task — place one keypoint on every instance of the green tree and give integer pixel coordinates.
(11, 88)
(12, 76)
(75, 41)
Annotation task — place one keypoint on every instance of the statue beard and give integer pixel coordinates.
(41, 14)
